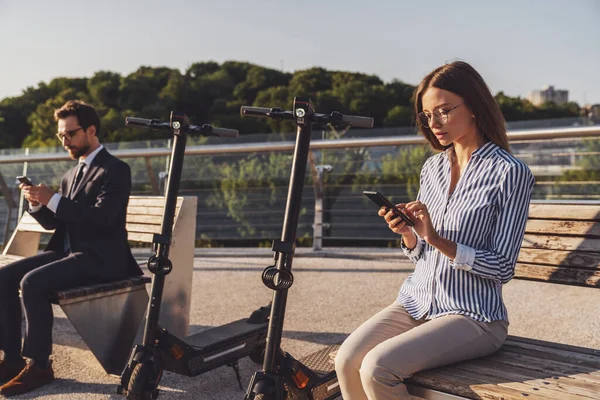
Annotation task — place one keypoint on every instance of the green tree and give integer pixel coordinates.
(213, 92)
(308, 83)
(276, 96)
(399, 116)
(257, 79)
(515, 108)
(43, 126)
(584, 179)
(239, 180)
(104, 89)
(402, 169)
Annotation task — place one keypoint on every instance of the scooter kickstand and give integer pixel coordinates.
(236, 368)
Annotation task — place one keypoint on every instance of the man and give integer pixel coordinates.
(89, 246)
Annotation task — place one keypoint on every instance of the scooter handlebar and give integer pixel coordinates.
(255, 111)
(359, 122)
(223, 132)
(133, 121)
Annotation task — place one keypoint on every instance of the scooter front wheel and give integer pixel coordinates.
(257, 355)
(143, 384)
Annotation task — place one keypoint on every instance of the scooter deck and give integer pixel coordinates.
(213, 347)
(322, 365)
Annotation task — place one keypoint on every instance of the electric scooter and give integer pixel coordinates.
(161, 350)
(282, 376)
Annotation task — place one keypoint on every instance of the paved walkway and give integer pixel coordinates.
(334, 291)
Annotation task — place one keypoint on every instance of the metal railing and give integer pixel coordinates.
(321, 171)
(518, 135)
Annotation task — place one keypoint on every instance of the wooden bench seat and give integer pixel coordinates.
(118, 307)
(561, 246)
(87, 292)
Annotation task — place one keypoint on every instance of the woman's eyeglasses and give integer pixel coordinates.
(440, 115)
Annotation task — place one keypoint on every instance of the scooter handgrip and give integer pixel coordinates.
(254, 111)
(133, 121)
(359, 122)
(222, 132)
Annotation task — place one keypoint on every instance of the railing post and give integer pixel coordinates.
(318, 223)
(20, 210)
(152, 177)
(10, 204)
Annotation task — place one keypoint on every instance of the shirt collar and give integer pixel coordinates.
(484, 151)
(88, 160)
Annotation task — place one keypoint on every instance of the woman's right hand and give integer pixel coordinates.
(395, 223)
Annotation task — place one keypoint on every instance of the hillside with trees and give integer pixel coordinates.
(212, 92)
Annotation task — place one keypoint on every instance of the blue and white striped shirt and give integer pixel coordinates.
(486, 216)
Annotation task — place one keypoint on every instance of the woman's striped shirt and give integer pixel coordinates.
(485, 216)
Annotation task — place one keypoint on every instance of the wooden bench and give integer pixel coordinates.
(561, 246)
(119, 307)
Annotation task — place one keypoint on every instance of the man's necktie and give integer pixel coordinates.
(78, 177)
(67, 241)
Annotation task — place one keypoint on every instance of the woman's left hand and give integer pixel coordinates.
(423, 225)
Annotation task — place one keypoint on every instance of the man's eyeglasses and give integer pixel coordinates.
(440, 115)
(67, 134)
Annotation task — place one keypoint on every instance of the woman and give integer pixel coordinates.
(469, 218)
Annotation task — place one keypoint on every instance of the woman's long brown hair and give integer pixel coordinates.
(462, 79)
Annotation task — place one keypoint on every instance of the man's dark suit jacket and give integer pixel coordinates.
(93, 216)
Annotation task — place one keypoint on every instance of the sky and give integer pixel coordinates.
(516, 45)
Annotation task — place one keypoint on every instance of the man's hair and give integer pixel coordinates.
(85, 113)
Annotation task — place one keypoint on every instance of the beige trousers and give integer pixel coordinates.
(391, 346)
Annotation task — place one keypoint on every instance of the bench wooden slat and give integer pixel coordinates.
(560, 257)
(142, 228)
(548, 350)
(571, 228)
(6, 259)
(564, 275)
(566, 378)
(561, 243)
(140, 237)
(544, 365)
(102, 287)
(475, 386)
(29, 224)
(539, 380)
(145, 210)
(144, 219)
(150, 201)
(559, 346)
(470, 388)
(30, 227)
(459, 372)
(579, 212)
(27, 219)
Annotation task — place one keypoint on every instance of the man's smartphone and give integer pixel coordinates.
(25, 180)
(381, 201)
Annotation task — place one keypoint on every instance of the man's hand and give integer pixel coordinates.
(36, 195)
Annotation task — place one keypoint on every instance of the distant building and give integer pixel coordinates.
(539, 97)
(594, 114)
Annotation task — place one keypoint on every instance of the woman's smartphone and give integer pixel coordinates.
(25, 180)
(381, 201)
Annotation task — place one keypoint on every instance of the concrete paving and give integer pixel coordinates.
(334, 291)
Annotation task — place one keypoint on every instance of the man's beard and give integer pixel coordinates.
(77, 152)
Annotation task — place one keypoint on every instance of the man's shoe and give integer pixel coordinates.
(10, 369)
(30, 378)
